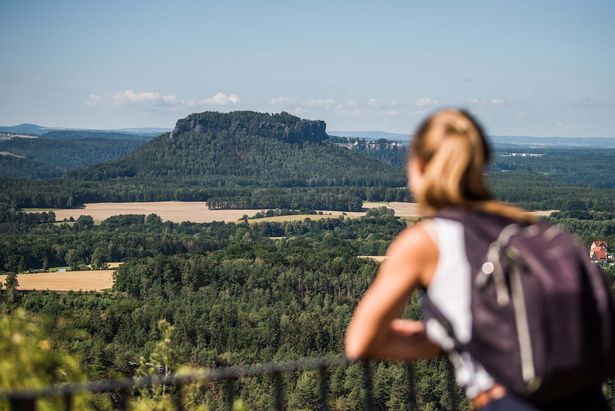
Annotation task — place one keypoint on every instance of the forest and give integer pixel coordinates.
(57, 152)
(221, 294)
(234, 293)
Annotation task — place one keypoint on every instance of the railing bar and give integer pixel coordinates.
(410, 386)
(278, 391)
(229, 394)
(324, 388)
(205, 375)
(367, 384)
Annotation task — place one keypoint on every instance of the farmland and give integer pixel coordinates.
(91, 280)
(197, 211)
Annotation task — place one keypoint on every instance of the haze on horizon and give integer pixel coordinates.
(525, 68)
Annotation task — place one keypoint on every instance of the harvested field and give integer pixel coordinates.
(197, 211)
(544, 213)
(411, 209)
(401, 209)
(377, 258)
(94, 280)
(176, 211)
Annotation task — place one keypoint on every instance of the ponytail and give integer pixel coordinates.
(454, 152)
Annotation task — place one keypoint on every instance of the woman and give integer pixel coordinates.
(448, 157)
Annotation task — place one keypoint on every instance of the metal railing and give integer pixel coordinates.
(123, 390)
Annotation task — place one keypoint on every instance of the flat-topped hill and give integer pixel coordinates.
(247, 149)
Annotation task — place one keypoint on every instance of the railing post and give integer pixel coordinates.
(367, 384)
(229, 394)
(23, 404)
(410, 387)
(450, 382)
(178, 399)
(122, 404)
(278, 391)
(324, 388)
(68, 401)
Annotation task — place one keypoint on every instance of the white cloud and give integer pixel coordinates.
(221, 99)
(93, 100)
(375, 102)
(320, 106)
(326, 103)
(426, 102)
(120, 98)
(170, 99)
(499, 102)
(492, 102)
(282, 100)
(157, 99)
(590, 103)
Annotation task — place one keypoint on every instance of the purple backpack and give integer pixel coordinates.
(543, 317)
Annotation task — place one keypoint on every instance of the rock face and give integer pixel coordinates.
(282, 126)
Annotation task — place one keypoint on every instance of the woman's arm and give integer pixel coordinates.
(375, 329)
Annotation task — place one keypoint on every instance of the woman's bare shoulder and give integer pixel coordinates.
(415, 245)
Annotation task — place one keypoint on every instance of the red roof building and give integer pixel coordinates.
(598, 250)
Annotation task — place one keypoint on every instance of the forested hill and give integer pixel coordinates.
(245, 148)
(236, 160)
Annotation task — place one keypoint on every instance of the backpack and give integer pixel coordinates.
(543, 316)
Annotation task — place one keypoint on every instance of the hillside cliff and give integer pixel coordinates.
(282, 126)
(246, 149)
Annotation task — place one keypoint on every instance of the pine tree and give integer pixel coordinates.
(11, 283)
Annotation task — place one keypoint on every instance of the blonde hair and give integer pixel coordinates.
(453, 150)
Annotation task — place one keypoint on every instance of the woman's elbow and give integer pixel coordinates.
(355, 347)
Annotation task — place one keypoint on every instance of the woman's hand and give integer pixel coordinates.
(375, 329)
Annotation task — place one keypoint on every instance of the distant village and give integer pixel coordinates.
(522, 155)
(358, 143)
(10, 136)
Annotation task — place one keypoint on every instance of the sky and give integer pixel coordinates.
(538, 68)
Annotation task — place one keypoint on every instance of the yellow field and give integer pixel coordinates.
(94, 280)
(197, 211)
(377, 258)
(176, 211)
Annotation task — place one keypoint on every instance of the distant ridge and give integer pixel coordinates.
(26, 128)
(91, 135)
(537, 142)
(37, 130)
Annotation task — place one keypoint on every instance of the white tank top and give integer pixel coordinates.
(449, 291)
